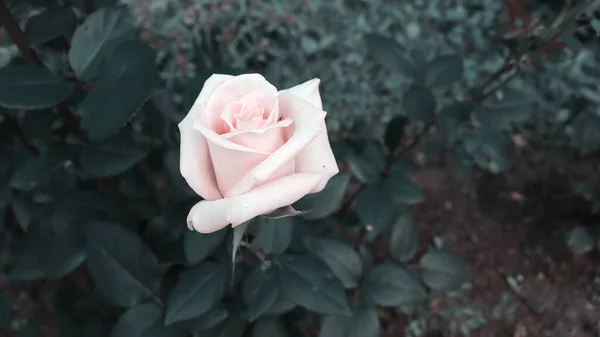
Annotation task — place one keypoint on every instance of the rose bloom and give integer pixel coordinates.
(248, 149)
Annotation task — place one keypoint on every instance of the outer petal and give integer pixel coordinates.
(210, 216)
(306, 127)
(195, 162)
(317, 157)
(309, 91)
(211, 84)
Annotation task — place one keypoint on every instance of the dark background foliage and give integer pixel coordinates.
(467, 137)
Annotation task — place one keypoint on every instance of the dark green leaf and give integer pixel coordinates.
(127, 80)
(27, 265)
(260, 291)
(122, 266)
(443, 270)
(444, 71)
(403, 190)
(111, 156)
(234, 326)
(391, 286)
(274, 235)
(93, 41)
(282, 212)
(210, 319)
(37, 124)
(515, 107)
(394, 133)
(341, 258)
(451, 116)
(65, 252)
(419, 103)
(281, 305)
(136, 320)
(404, 237)
(309, 282)
(486, 144)
(196, 292)
(580, 240)
(31, 87)
(586, 132)
(376, 209)
(363, 323)
(368, 165)
(199, 246)
(322, 204)
(390, 54)
(269, 327)
(49, 25)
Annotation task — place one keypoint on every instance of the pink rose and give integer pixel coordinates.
(248, 149)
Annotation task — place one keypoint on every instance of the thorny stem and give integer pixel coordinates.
(20, 39)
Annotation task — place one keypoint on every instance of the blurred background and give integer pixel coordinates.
(522, 212)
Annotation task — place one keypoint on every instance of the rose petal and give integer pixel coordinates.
(232, 166)
(231, 91)
(195, 163)
(211, 216)
(308, 91)
(317, 157)
(306, 127)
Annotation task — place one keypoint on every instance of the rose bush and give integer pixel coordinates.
(248, 149)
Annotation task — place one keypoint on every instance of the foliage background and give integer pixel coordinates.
(449, 207)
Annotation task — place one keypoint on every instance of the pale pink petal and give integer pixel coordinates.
(228, 115)
(195, 163)
(308, 91)
(211, 216)
(231, 91)
(249, 124)
(232, 166)
(317, 157)
(212, 137)
(306, 127)
(211, 84)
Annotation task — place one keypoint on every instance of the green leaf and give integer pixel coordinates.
(307, 281)
(136, 320)
(127, 80)
(260, 291)
(389, 285)
(37, 124)
(450, 118)
(515, 107)
(198, 247)
(376, 210)
(586, 132)
(234, 326)
(443, 270)
(419, 103)
(444, 71)
(580, 240)
(64, 253)
(269, 327)
(368, 165)
(322, 204)
(340, 257)
(27, 265)
(404, 237)
(93, 41)
(210, 319)
(198, 289)
(363, 323)
(122, 266)
(281, 305)
(274, 235)
(390, 54)
(111, 156)
(394, 133)
(50, 24)
(403, 190)
(31, 87)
